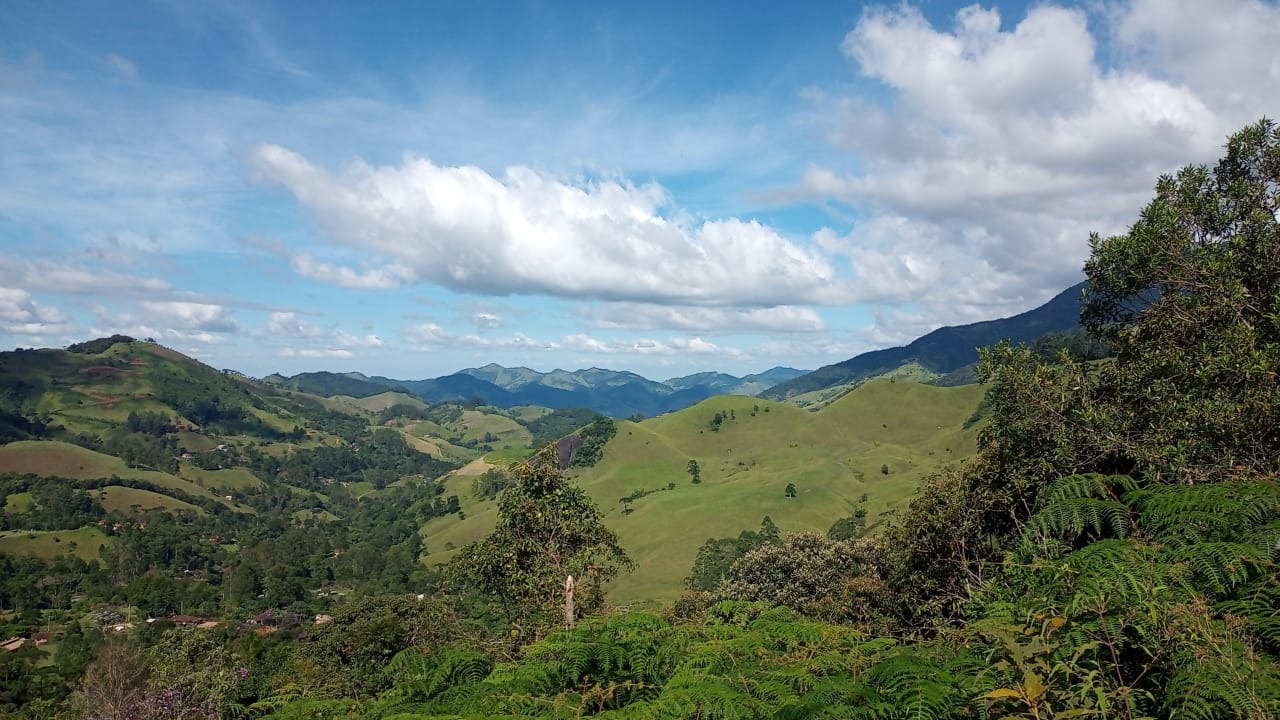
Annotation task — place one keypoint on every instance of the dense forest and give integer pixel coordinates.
(1110, 552)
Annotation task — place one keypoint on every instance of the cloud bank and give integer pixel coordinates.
(527, 232)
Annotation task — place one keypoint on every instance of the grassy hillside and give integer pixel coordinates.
(833, 456)
(51, 458)
(132, 500)
(84, 542)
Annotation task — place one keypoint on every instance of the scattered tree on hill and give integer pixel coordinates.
(547, 530)
(695, 472)
(884, 469)
(490, 483)
(851, 527)
(790, 491)
(717, 555)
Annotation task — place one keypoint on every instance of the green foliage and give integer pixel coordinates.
(851, 527)
(716, 556)
(834, 580)
(1190, 298)
(594, 437)
(100, 345)
(491, 482)
(562, 422)
(547, 530)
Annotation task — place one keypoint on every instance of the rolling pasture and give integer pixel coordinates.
(832, 456)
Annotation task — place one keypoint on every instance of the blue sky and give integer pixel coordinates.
(408, 189)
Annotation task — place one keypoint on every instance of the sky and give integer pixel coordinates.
(412, 188)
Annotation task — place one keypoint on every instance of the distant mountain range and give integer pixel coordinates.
(947, 350)
(611, 392)
(944, 350)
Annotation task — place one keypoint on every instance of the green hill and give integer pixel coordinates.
(833, 456)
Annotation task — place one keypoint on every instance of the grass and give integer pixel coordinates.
(116, 498)
(475, 424)
(196, 442)
(507, 456)
(323, 515)
(529, 413)
(434, 435)
(225, 479)
(51, 458)
(833, 456)
(378, 403)
(54, 543)
(19, 502)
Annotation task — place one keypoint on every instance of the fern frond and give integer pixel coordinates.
(1210, 512)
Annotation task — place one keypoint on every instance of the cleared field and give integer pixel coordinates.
(196, 442)
(226, 479)
(18, 502)
(82, 542)
(477, 425)
(323, 515)
(506, 457)
(59, 459)
(529, 413)
(378, 403)
(833, 456)
(116, 498)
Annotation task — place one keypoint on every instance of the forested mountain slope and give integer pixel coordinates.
(944, 350)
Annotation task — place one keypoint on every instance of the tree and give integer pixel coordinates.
(790, 491)
(831, 579)
(884, 469)
(717, 555)
(849, 528)
(114, 685)
(695, 472)
(546, 531)
(1190, 300)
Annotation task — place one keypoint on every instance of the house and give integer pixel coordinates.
(267, 618)
(323, 619)
(208, 624)
(42, 638)
(186, 620)
(13, 644)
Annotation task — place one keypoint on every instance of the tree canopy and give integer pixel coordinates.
(547, 530)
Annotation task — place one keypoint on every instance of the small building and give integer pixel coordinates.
(323, 619)
(13, 644)
(42, 638)
(186, 620)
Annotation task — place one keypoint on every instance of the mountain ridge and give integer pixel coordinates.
(944, 350)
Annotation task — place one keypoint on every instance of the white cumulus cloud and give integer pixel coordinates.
(189, 315)
(1006, 140)
(22, 315)
(525, 232)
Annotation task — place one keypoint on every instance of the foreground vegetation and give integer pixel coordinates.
(1109, 552)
